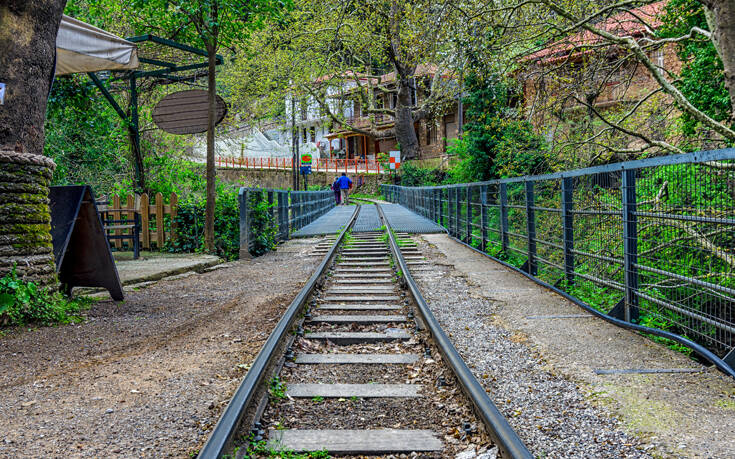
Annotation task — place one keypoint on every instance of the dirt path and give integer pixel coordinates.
(147, 377)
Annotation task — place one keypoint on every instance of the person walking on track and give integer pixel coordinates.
(344, 188)
(335, 188)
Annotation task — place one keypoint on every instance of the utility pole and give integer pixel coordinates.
(294, 139)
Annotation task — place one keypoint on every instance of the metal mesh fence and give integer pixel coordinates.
(266, 212)
(651, 241)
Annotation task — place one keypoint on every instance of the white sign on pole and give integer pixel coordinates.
(395, 159)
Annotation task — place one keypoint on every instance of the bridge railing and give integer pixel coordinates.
(650, 242)
(336, 165)
(269, 213)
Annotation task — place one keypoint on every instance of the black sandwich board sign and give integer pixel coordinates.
(82, 253)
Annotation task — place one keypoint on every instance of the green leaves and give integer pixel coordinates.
(25, 302)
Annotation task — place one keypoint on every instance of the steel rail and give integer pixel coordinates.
(229, 423)
(698, 348)
(506, 439)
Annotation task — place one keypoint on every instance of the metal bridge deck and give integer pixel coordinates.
(367, 219)
(405, 221)
(329, 223)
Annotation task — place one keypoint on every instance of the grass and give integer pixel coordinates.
(277, 388)
(262, 449)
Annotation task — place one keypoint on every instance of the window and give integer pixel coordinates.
(312, 133)
(303, 135)
(658, 58)
(430, 132)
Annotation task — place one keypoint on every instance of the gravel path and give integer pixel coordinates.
(550, 413)
(147, 377)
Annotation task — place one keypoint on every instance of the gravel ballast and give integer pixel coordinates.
(551, 415)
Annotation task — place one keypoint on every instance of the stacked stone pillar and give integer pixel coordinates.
(25, 219)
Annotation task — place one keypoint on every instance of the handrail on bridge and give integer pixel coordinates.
(651, 242)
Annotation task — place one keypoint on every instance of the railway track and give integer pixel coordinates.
(358, 366)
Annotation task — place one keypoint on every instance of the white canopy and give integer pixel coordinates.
(81, 47)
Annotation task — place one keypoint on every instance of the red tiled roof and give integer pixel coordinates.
(636, 22)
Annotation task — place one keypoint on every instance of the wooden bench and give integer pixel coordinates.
(119, 228)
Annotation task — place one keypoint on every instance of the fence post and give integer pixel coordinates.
(282, 222)
(469, 215)
(244, 225)
(567, 196)
(160, 229)
(174, 206)
(531, 229)
(630, 245)
(505, 240)
(440, 197)
(271, 210)
(145, 224)
(458, 212)
(483, 217)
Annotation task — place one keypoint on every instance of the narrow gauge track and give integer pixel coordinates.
(359, 366)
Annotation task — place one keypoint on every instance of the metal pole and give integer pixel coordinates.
(505, 240)
(630, 244)
(567, 196)
(244, 196)
(294, 139)
(469, 214)
(531, 229)
(483, 217)
(457, 213)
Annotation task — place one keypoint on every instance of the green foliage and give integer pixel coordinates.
(417, 176)
(277, 388)
(24, 302)
(702, 79)
(85, 137)
(496, 143)
(190, 221)
(262, 449)
(262, 227)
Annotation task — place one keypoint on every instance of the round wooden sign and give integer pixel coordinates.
(185, 112)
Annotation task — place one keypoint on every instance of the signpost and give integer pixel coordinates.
(395, 159)
(306, 168)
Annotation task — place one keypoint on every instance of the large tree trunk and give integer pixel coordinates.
(28, 31)
(405, 132)
(211, 118)
(721, 19)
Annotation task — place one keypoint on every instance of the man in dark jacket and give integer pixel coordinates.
(335, 188)
(344, 188)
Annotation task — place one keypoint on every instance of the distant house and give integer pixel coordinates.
(433, 134)
(580, 66)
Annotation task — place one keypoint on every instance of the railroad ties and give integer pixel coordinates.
(362, 320)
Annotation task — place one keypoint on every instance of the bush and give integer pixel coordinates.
(24, 302)
(262, 229)
(417, 176)
(190, 221)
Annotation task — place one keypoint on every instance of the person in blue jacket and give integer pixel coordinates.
(345, 184)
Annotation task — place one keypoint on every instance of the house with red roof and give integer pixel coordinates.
(572, 76)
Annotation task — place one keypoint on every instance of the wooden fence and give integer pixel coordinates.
(155, 217)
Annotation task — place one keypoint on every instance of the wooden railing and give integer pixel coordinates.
(153, 218)
(356, 165)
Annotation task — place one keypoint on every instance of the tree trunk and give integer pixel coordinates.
(721, 19)
(211, 118)
(405, 132)
(28, 31)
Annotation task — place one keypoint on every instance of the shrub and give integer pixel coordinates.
(24, 302)
(190, 221)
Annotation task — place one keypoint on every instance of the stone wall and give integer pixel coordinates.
(271, 178)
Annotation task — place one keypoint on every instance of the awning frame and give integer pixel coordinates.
(168, 71)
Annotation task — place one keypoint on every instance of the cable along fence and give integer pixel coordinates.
(651, 242)
(268, 215)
